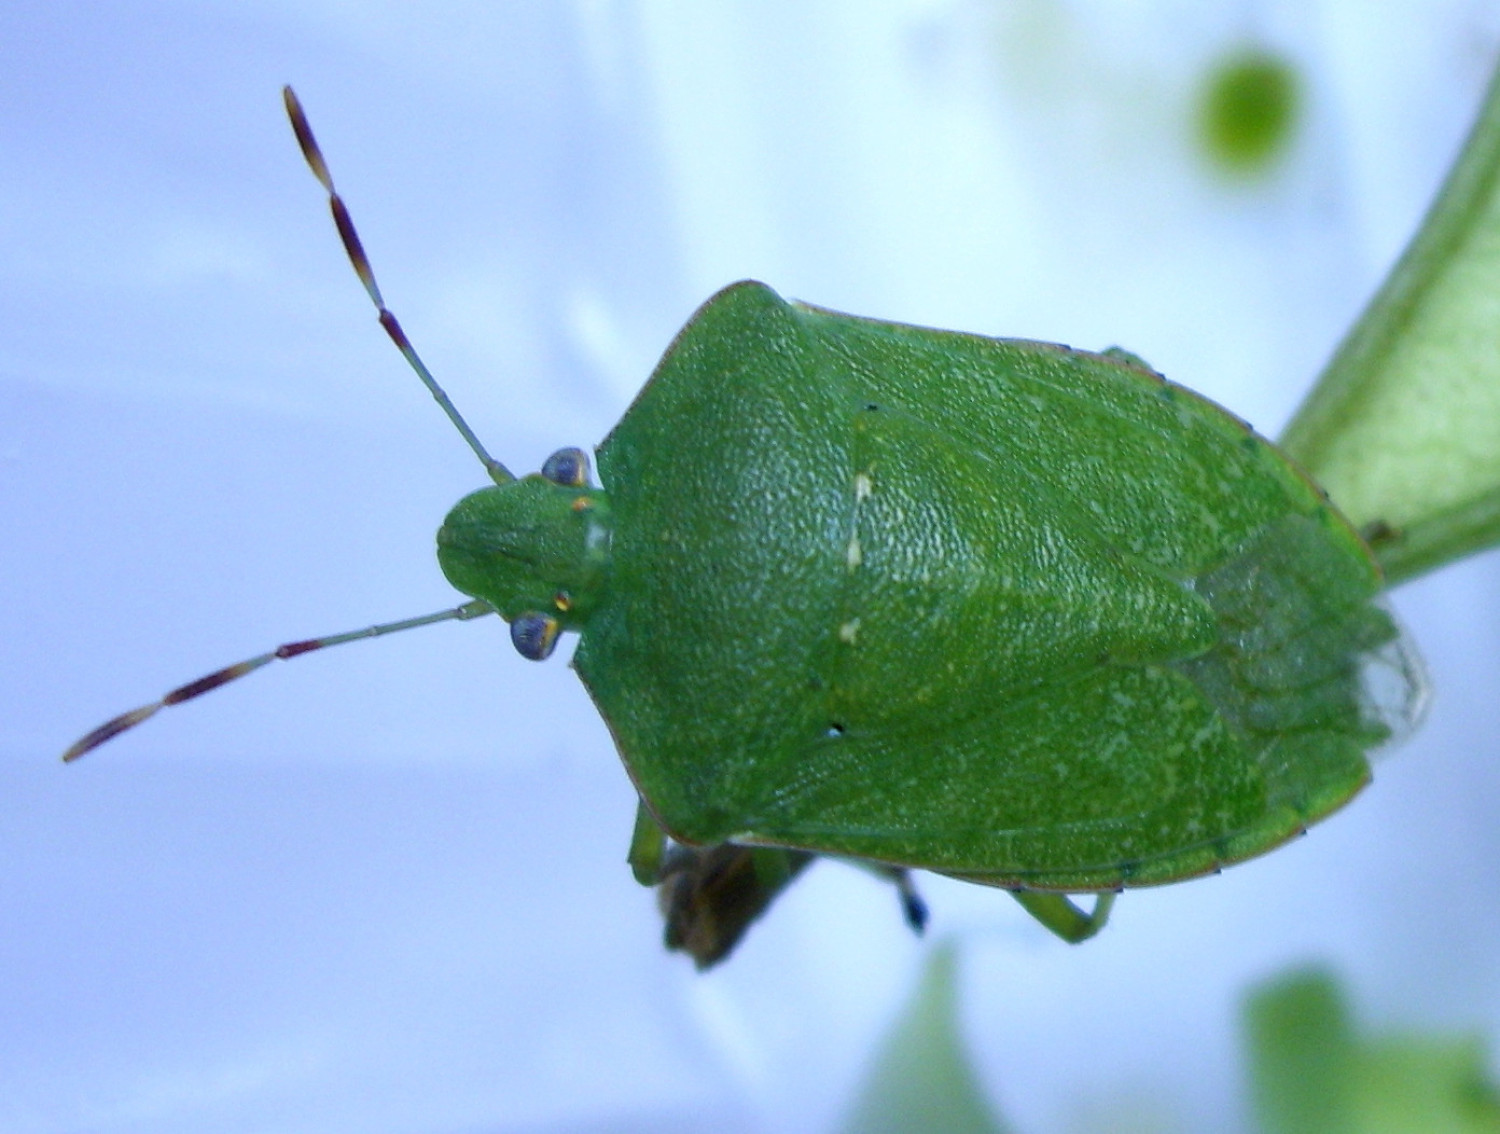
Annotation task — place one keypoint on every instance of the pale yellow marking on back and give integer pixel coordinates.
(849, 631)
(854, 556)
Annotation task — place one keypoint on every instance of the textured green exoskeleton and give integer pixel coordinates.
(1020, 614)
(1016, 613)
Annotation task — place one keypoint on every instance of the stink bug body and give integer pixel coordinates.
(1024, 615)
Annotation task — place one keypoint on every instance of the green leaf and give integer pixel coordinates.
(1312, 1073)
(1301, 1056)
(1403, 427)
(921, 1078)
(1425, 1085)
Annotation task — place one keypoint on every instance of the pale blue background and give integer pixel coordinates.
(383, 890)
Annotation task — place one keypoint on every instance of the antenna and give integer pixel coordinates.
(361, 263)
(113, 727)
(498, 473)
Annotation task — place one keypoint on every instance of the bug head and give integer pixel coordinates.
(536, 549)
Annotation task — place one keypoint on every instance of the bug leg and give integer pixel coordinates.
(1058, 913)
(709, 896)
(913, 908)
(648, 846)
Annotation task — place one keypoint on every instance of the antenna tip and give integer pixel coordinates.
(109, 730)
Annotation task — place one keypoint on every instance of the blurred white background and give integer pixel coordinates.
(383, 889)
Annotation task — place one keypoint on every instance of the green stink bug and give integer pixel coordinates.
(1024, 615)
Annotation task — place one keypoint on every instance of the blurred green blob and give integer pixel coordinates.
(1301, 1055)
(1248, 111)
(1312, 1072)
(921, 1078)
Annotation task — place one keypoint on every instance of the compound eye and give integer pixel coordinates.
(567, 466)
(534, 635)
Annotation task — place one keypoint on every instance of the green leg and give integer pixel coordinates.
(1062, 917)
(648, 847)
